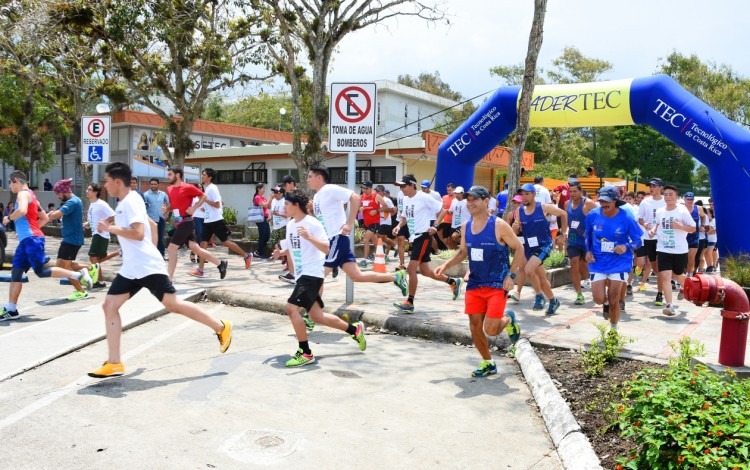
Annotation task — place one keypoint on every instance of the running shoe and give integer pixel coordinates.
(629, 290)
(554, 304)
(192, 257)
(514, 331)
(288, 278)
(108, 369)
(334, 272)
(456, 287)
(248, 260)
(586, 284)
(539, 302)
(515, 296)
(8, 314)
(669, 310)
(85, 278)
(371, 257)
(674, 284)
(404, 307)
(659, 301)
(309, 324)
(300, 359)
(622, 305)
(77, 295)
(605, 311)
(485, 368)
(400, 281)
(362, 263)
(99, 285)
(196, 273)
(222, 269)
(681, 294)
(579, 299)
(94, 273)
(359, 336)
(642, 287)
(225, 336)
(638, 271)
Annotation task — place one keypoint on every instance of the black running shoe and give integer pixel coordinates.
(222, 269)
(605, 311)
(335, 273)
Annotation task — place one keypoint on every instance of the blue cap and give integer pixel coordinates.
(528, 187)
(656, 182)
(426, 183)
(689, 196)
(609, 194)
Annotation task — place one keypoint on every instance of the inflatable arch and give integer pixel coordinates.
(718, 143)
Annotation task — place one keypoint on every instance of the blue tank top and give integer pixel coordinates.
(535, 227)
(489, 261)
(693, 238)
(577, 224)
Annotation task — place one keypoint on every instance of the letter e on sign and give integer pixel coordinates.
(352, 107)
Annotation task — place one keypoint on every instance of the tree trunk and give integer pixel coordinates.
(527, 90)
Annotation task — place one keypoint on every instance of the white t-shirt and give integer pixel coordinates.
(419, 210)
(542, 194)
(386, 217)
(701, 224)
(435, 195)
(213, 213)
(308, 259)
(668, 239)
(647, 211)
(711, 238)
(277, 205)
(200, 212)
(99, 210)
(459, 211)
(400, 204)
(140, 258)
(328, 206)
(492, 207)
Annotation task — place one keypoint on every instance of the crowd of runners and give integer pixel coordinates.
(612, 246)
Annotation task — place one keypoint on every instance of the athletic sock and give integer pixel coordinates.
(77, 276)
(613, 326)
(305, 347)
(410, 299)
(451, 281)
(11, 307)
(351, 329)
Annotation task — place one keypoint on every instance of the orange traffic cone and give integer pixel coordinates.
(379, 266)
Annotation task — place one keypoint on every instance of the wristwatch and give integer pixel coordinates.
(512, 275)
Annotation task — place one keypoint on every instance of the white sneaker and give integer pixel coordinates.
(669, 310)
(586, 284)
(86, 278)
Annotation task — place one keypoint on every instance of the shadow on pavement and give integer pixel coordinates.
(475, 386)
(118, 387)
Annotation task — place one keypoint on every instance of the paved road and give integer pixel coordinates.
(404, 403)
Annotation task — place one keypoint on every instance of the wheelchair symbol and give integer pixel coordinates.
(96, 153)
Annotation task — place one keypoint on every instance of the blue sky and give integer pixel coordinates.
(631, 35)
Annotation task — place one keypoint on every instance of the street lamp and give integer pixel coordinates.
(282, 112)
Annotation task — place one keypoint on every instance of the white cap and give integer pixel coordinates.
(459, 189)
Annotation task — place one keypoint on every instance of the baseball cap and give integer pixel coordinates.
(656, 182)
(380, 187)
(528, 187)
(517, 198)
(405, 180)
(506, 185)
(689, 196)
(288, 179)
(609, 194)
(459, 189)
(478, 192)
(426, 183)
(63, 186)
(276, 189)
(367, 184)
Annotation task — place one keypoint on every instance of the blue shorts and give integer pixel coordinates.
(30, 254)
(541, 251)
(340, 252)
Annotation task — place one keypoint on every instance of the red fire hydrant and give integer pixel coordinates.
(735, 314)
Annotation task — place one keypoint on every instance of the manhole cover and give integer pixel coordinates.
(261, 446)
(269, 441)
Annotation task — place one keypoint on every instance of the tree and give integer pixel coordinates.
(656, 156)
(701, 181)
(172, 54)
(574, 67)
(297, 27)
(433, 84)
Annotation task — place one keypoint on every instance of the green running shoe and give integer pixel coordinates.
(359, 336)
(309, 324)
(456, 287)
(404, 307)
(485, 368)
(300, 359)
(514, 331)
(78, 295)
(579, 299)
(401, 282)
(94, 273)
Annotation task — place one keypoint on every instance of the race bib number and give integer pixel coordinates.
(608, 247)
(410, 224)
(668, 238)
(533, 242)
(521, 240)
(365, 203)
(477, 254)
(276, 220)
(574, 224)
(297, 257)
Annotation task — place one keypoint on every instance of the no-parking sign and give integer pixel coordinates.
(352, 119)
(95, 132)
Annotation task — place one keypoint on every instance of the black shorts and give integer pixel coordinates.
(157, 284)
(306, 292)
(677, 263)
(445, 229)
(421, 248)
(373, 228)
(404, 231)
(650, 246)
(67, 251)
(576, 252)
(99, 245)
(641, 252)
(183, 233)
(693, 245)
(386, 230)
(456, 230)
(218, 228)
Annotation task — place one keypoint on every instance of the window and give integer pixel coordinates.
(294, 172)
(249, 176)
(376, 174)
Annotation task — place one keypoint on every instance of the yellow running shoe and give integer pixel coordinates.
(225, 336)
(108, 369)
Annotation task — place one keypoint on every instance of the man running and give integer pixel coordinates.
(307, 243)
(156, 204)
(646, 214)
(387, 210)
(181, 197)
(328, 204)
(213, 222)
(419, 211)
(693, 238)
(370, 209)
(612, 236)
(458, 212)
(71, 213)
(29, 218)
(142, 266)
(672, 224)
(98, 210)
(532, 220)
(445, 229)
(486, 240)
(577, 208)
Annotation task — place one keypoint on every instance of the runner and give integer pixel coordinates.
(672, 224)
(646, 214)
(419, 210)
(71, 213)
(387, 210)
(445, 229)
(98, 210)
(213, 222)
(612, 236)
(577, 208)
(516, 202)
(279, 221)
(370, 210)
(532, 219)
(142, 266)
(307, 243)
(486, 240)
(403, 235)
(693, 238)
(157, 203)
(181, 196)
(459, 212)
(328, 205)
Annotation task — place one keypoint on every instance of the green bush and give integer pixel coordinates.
(737, 268)
(556, 259)
(604, 349)
(683, 418)
(230, 215)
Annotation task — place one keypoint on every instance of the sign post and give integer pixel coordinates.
(352, 130)
(95, 138)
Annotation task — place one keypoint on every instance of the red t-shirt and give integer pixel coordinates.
(370, 203)
(564, 190)
(181, 197)
(447, 201)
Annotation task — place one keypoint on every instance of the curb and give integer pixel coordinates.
(572, 445)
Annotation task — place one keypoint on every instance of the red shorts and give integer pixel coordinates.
(486, 300)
